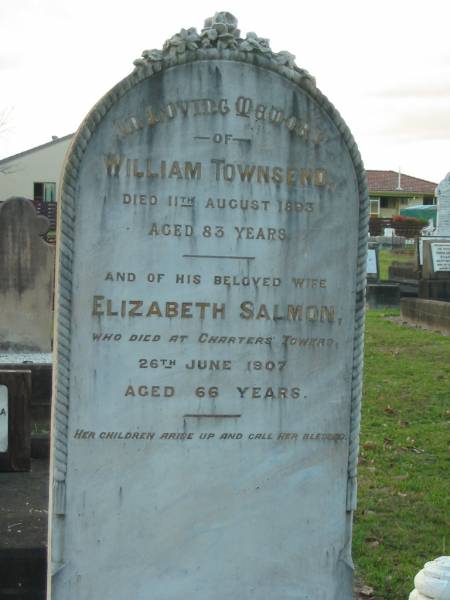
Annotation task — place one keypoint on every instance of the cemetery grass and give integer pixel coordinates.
(402, 519)
(387, 257)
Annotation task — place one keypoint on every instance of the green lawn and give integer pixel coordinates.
(403, 511)
(387, 257)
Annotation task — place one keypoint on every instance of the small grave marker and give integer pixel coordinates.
(26, 282)
(15, 397)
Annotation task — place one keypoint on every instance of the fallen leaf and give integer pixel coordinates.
(369, 445)
(389, 410)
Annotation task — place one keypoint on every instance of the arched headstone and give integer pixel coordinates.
(26, 281)
(210, 332)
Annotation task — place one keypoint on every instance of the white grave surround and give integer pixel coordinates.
(440, 255)
(4, 429)
(238, 480)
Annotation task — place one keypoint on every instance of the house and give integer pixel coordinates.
(391, 191)
(34, 173)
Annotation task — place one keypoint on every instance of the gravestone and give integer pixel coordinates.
(26, 283)
(443, 207)
(435, 277)
(4, 413)
(373, 263)
(434, 251)
(210, 311)
(15, 397)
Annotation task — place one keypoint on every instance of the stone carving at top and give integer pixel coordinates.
(443, 207)
(220, 32)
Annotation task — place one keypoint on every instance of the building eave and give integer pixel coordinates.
(35, 149)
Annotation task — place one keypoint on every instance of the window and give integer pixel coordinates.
(389, 203)
(428, 200)
(44, 191)
(374, 206)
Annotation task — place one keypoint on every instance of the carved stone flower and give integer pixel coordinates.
(148, 56)
(285, 58)
(221, 31)
(187, 39)
(152, 55)
(253, 43)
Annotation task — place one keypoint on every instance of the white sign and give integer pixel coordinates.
(440, 254)
(3, 418)
(433, 239)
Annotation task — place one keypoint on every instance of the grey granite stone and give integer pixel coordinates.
(26, 280)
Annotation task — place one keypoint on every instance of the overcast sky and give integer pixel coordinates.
(384, 64)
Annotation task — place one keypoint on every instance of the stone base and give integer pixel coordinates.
(435, 289)
(383, 295)
(428, 313)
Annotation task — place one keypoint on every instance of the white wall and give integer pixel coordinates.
(43, 164)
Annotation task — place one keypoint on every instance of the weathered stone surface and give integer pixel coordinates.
(431, 314)
(209, 347)
(383, 295)
(435, 289)
(26, 281)
(436, 259)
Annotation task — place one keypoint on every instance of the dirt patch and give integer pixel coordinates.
(423, 327)
(24, 507)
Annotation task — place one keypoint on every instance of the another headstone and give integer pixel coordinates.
(213, 239)
(15, 396)
(440, 257)
(4, 412)
(443, 207)
(373, 265)
(26, 283)
(442, 231)
(435, 277)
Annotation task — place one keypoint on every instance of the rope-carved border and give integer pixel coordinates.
(67, 213)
